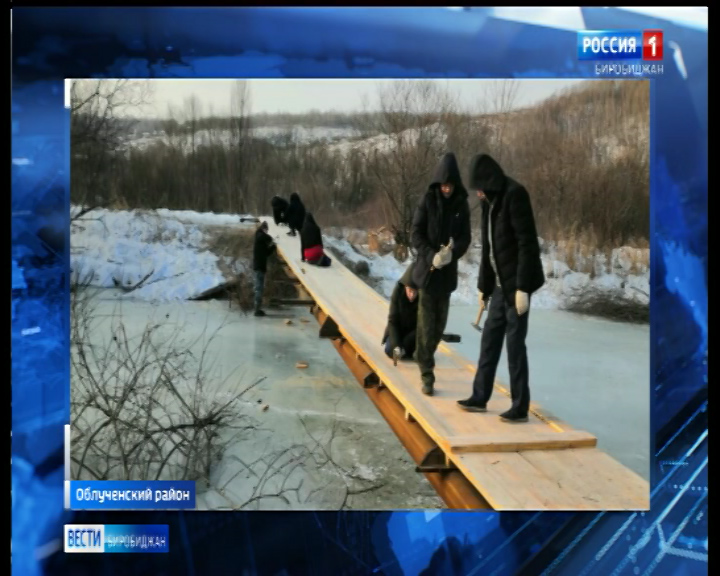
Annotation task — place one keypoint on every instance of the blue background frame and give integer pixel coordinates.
(51, 44)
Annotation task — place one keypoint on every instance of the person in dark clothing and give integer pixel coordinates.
(311, 243)
(510, 271)
(263, 247)
(441, 236)
(401, 329)
(295, 214)
(279, 206)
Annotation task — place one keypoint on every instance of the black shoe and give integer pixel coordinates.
(428, 389)
(512, 416)
(260, 313)
(471, 405)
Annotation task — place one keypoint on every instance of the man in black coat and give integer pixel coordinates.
(400, 332)
(441, 236)
(295, 214)
(510, 271)
(262, 248)
(279, 206)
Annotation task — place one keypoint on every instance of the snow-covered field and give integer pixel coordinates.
(170, 251)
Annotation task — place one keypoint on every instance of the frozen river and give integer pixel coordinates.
(591, 373)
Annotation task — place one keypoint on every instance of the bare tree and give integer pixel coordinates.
(411, 122)
(500, 97)
(240, 147)
(100, 115)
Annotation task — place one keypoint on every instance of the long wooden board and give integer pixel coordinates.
(511, 473)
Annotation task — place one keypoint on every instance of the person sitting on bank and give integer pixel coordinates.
(311, 243)
(400, 333)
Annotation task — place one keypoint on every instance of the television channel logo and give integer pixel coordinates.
(116, 538)
(637, 45)
(84, 538)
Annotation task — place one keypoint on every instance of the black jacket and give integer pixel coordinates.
(262, 248)
(436, 220)
(402, 318)
(514, 236)
(295, 214)
(310, 235)
(279, 206)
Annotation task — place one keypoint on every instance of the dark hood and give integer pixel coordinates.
(448, 172)
(406, 279)
(487, 175)
(277, 201)
(294, 199)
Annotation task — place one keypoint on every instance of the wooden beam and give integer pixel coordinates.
(517, 442)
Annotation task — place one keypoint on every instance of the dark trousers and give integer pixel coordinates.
(407, 344)
(259, 288)
(433, 310)
(503, 322)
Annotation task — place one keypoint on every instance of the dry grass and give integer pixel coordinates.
(611, 308)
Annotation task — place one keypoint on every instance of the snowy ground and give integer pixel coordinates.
(169, 249)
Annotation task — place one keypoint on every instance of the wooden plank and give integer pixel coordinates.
(599, 478)
(512, 483)
(519, 441)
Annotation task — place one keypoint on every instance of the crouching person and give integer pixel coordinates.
(311, 243)
(263, 247)
(280, 207)
(400, 334)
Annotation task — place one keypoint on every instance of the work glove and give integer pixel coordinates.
(522, 302)
(444, 256)
(399, 352)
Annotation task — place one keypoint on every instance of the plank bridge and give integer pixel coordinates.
(474, 461)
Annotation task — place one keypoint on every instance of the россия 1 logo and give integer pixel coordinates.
(636, 52)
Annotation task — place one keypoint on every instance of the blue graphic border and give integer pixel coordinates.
(51, 44)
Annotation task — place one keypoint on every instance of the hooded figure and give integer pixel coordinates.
(295, 214)
(511, 254)
(402, 319)
(311, 243)
(441, 236)
(279, 206)
(510, 271)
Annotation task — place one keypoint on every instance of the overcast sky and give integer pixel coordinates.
(343, 95)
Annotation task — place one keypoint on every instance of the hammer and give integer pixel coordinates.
(476, 324)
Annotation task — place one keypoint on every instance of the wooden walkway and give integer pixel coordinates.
(541, 465)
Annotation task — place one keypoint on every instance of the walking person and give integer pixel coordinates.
(510, 271)
(311, 243)
(441, 236)
(401, 331)
(295, 214)
(263, 247)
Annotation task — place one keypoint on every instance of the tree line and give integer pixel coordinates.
(583, 155)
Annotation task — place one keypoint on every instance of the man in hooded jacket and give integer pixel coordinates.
(401, 331)
(295, 214)
(441, 236)
(510, 271)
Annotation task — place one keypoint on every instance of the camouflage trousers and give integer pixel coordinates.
(433, 310)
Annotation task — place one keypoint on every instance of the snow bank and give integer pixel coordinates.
(169, 250)
(563, 286)
(166, 249)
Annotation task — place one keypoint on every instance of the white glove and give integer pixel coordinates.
(522, 302)
(398, 352)
(444, 256)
